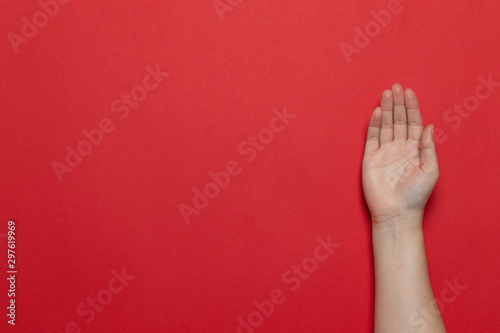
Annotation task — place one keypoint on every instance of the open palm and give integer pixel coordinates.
(400, 166)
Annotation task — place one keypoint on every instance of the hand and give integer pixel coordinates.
(400, 167)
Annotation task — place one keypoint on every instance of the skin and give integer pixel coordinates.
(400, 171)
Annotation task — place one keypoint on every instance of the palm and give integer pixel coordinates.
(399, 171)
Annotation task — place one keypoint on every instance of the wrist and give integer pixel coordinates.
(401, 225)
(399, 241)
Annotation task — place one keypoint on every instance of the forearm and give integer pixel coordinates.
(402, 285)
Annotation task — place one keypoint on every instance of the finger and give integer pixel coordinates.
(400, 122)
(428, 156)
(373, 136)
(415, 124)
(386, 131)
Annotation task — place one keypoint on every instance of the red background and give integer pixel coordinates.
(119, 208)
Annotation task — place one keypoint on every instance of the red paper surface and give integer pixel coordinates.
(232, 65)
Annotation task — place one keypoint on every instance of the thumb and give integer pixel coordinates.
(428, 157)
